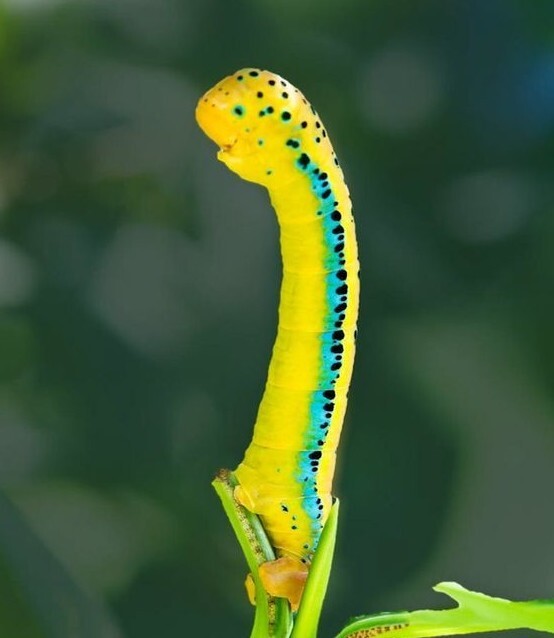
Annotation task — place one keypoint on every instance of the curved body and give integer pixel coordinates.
(269, 134)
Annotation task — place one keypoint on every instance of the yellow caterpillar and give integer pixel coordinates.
(269, 134)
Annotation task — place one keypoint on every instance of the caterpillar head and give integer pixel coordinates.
(252, 116)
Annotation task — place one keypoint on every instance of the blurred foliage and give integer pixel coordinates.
(130, 370)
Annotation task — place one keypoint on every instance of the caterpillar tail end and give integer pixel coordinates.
(281, 578)
(285, 578)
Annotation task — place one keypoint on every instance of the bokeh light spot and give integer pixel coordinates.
(488, 206)
(400, 89)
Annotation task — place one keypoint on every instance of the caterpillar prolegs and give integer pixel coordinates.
(269, 134)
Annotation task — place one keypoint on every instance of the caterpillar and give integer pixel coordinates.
(268, 133)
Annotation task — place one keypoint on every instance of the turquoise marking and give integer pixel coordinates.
(320, 414)
(239, 110)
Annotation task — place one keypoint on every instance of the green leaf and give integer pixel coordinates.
(307, 620)
(49, 601)
(475, 613)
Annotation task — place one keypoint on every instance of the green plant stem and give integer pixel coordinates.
(273, 617)
(307, 620)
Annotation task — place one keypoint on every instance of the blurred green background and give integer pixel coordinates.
(129, 371)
